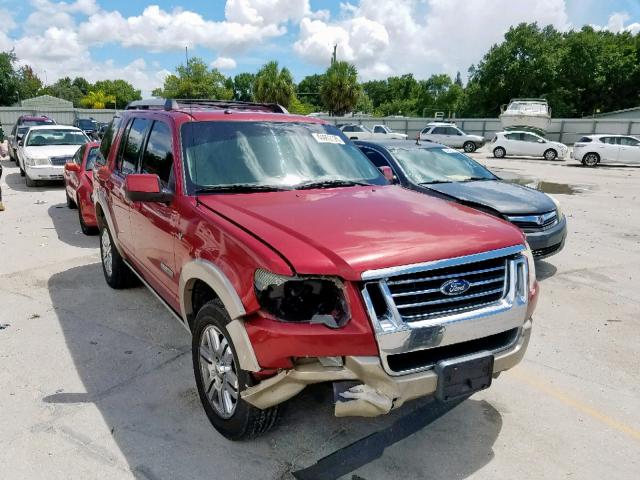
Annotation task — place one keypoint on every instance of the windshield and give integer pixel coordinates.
(41, 137)
(86, 124)
(272, 154)
(437, 165)
(33, 123)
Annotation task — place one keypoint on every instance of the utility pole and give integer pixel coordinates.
(334, 56)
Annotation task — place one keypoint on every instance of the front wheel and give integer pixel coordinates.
(591, 160)
(499, 152)
(220, 380)
(30, 182)
(469, 147)
(70, 203)
(550, 154)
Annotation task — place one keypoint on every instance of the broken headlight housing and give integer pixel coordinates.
(302, 299)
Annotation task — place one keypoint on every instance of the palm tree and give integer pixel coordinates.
(97, 99)
(274, 85)
(340, 90)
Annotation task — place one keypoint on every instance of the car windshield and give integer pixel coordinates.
(438, 165)
(41, 137)
(33, 123)
(86, 124)
(278, 155)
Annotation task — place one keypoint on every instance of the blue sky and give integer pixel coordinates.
(143, 41)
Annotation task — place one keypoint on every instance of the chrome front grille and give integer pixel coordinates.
(534, 223)
(419, 295)
(413, 310)
(59, 161)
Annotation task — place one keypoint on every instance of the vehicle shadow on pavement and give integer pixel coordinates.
(18, 183)
(545, 270)
(67, 225)
(134, 362)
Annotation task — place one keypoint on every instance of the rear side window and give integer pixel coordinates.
(376, 158)
(629, 141)
(158, 156)
(513, 136)
(584, 140)
(610, 140)
(107, 141)
(130, 151)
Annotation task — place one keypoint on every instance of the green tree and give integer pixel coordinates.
(378, 91)
(97, 99)
(29, 85)
(8, 79)
(121, 90)
(301, 108)
(65, 89)
(243, 86)
(274, 85)
(364, 105)
(83, 84)
(195, 80)
(340, 89)
(309, 89)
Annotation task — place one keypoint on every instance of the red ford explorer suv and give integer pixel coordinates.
(292, 261)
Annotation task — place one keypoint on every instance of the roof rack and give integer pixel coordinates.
(170, 104)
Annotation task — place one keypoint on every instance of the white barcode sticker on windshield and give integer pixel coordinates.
(449, 150)
(327, 138)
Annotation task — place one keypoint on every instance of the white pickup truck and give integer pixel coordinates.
(379, 132)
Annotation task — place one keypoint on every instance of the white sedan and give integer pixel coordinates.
(594, 149)
(526, 144)
(44, 150)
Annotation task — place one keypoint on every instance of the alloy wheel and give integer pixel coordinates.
(107, 254)
(218, 370)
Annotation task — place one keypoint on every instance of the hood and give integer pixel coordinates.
(504, 197)
(43, 151)
(345, 231)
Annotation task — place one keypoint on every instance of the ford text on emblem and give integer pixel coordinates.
(456, 286)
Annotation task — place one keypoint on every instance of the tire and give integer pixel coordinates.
(499, 152)
(70, 203)
(30, 182)
(87, 230)
(469, 147)
(550, 154)
(22, 172)
(219, 377)
(591, 160)
(116, 272)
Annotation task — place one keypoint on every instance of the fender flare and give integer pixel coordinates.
(101, 204)
(215, 278)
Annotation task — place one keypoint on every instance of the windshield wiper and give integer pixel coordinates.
(474, 179)
(330, 184)
(436, 181)
(239, 188)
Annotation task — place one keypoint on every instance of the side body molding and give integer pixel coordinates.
(220, 284)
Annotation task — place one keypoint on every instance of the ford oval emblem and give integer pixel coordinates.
(456, 286)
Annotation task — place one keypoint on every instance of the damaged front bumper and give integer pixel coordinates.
(376, 392)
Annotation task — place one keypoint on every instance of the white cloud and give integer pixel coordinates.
(158, 30)
(420, 37)
(266, 12)
(616, 24)
(224, 63)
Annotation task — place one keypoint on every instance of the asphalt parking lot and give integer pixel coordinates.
(96, 383)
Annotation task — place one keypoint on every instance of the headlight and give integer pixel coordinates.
(531, 264)
(32, 161)
(302, 299)
(558, 208)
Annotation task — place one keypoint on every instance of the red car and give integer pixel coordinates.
(291, 261)
(78, 183)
